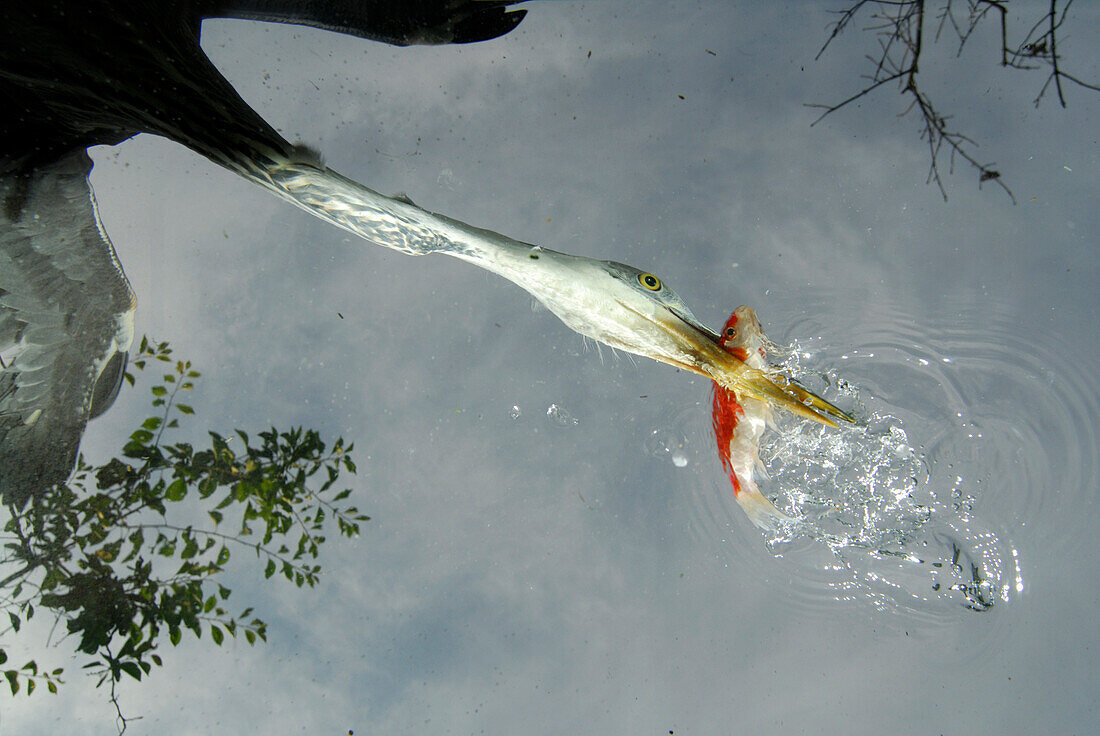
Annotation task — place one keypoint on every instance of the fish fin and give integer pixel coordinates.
(759, 467)
(762, 512)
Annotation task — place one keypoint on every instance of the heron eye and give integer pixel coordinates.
(731, 332)
(650, 281)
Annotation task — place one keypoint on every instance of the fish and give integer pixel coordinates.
(740, 421)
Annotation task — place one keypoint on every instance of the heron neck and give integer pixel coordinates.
(389, 221)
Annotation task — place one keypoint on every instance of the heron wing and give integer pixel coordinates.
(65, 314)
(402, 24)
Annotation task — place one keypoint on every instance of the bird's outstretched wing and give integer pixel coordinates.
(400, 23)
(66, 323)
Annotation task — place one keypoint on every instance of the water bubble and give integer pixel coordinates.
(560, 417)
(448, 179)
(666, 442)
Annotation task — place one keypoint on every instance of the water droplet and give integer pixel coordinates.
(560, 417)
(447, 179)
(515, 411)
(666, 442)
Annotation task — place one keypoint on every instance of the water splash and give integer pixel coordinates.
(897, 535)
(968, 439)
(901, 526)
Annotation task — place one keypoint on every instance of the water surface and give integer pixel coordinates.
(536, 562)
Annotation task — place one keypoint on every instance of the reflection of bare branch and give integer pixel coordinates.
(899, 29)
(1044, 47)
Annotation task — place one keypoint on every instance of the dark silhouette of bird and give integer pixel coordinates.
(79, 73)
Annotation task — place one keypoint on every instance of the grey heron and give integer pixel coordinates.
(85, 72)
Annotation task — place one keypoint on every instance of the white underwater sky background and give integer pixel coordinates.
(526, 576)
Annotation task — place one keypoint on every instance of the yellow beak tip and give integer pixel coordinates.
(799, 400)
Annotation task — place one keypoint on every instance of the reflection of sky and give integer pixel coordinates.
(524, 577)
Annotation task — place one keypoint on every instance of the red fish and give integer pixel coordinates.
(739, 422)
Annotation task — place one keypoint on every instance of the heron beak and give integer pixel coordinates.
(697, 349)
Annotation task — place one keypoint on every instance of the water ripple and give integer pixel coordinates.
(978, 444)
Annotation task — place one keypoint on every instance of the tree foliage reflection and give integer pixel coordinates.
(132, 552)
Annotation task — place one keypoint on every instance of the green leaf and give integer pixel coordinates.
(207, 486)
(141, 436)
(176, 490)
(281, 484)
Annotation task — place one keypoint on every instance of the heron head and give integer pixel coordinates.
(636, 311)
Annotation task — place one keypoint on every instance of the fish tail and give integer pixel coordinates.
(761, 512)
